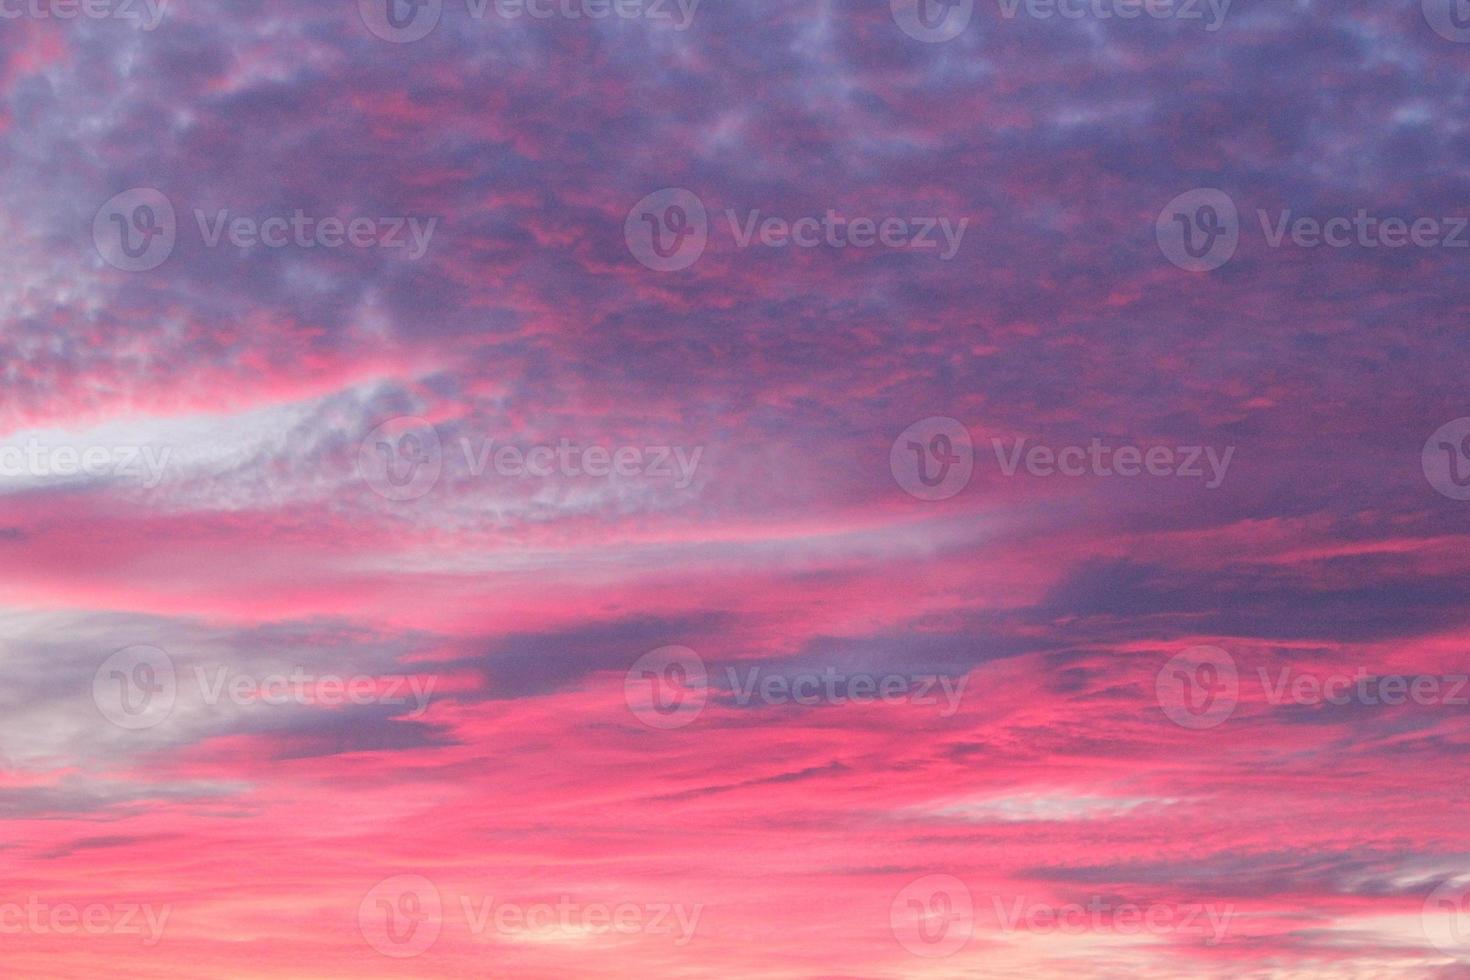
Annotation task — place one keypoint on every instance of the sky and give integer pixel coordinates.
(807, 489)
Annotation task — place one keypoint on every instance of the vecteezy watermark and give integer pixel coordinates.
(669, 230)
(403, 917)
(1449, 18)
(1200, 687)
(667, 688)
(144, 14)
(137, 230)
(1100, 459)
(933, 916)
(831, 687)
(1446, 917)
(932, 21)
(301, 230)
(1200, 230)
(43, 918)
(34, 459)
(403, 458)
(1289, 686)
(402, 21)
(138, 687)
(1211, 12)
(567, 918)
(567, 458)
(832, 230)
(1104, 915)
(303, 687)
(934, 458)
(1362, 230)
(936, 21)
(1446, 459)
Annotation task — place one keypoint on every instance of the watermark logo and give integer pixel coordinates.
(830, 687)
(400, 21)
(1199, 230)
(139, 687)
(136, 687)
(1198, 688)
(1446, 918)
(933, 459)
(1446, 459)
(933, 916)
(667, 688)
(679, 14)
(569, 459)
(1104, 915)
(41, 918)
(145, 14)
(146, 463)
(401, 459)
(411, 233)
(136, 230)
(932, 21)
(1449, 18)
(307, 688)
(1201, 687)
(1366, 688)
(1179, 10)
(401, 916)
(670, 229)
(567, 917)
(1102, 460)
(1362, 230)
(832, 230)
(667, 230)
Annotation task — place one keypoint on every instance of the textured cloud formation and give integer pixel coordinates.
(336, 565)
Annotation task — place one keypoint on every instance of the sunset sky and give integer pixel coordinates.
(808, 489)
